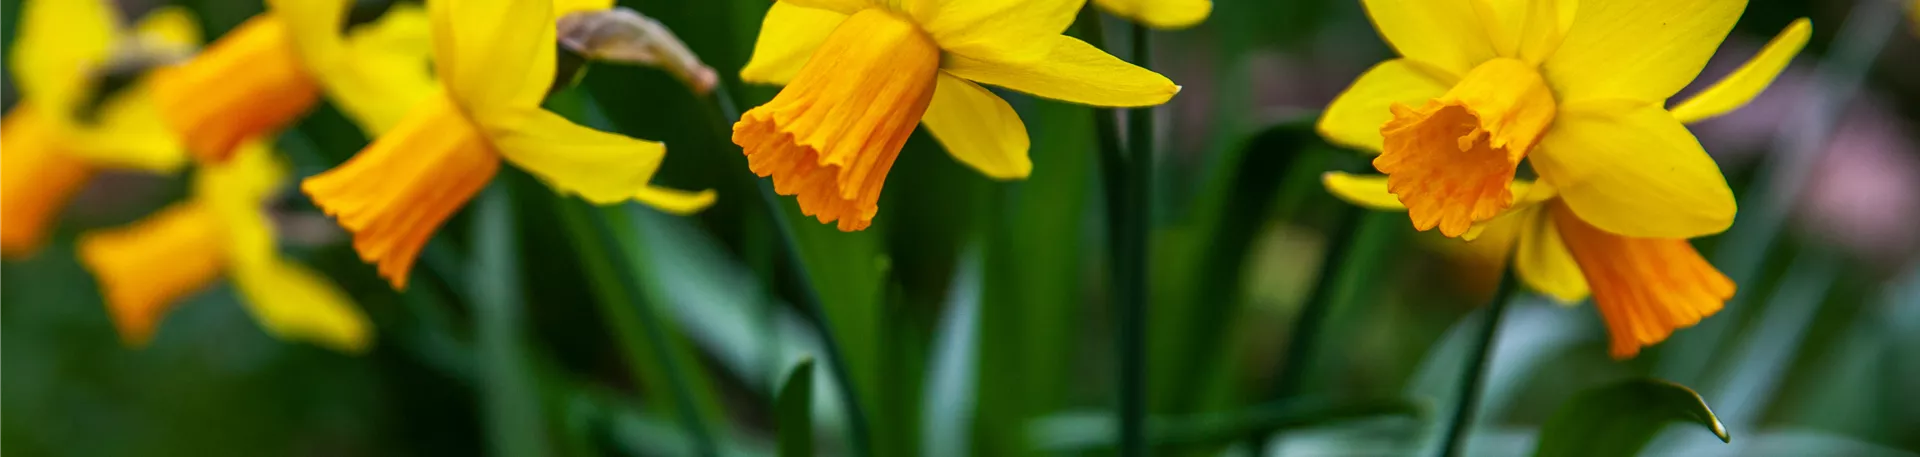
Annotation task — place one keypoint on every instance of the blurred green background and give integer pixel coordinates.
(974, 316)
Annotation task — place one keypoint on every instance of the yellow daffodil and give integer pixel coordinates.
(1644, 287)
(496, 61)
(145, 269)
(1160, 14)
(59, 135)
(1576, 88)
(263, 75)
(861, 74)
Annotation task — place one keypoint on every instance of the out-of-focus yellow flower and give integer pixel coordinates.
(496, 62)
(1578, 89)
(861, 74)
(261, 76)
(1160, 14)
(1644, 287)
(65, 129)
(145, 269)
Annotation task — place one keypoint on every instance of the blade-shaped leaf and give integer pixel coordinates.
(795, 411)
(1618, 419)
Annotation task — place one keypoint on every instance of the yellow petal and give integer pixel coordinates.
(1160, 14)
(385, 69)
(1073, 71)
(1543, 262)
(294, 303)
(788, 37)
(1446, 34)
(240, 186)
(1631, 169)
(840, 6)
(1355, 117)
(998, 30)
(1638, 49)
(1526, 29)
(61, 43)
(601, 167)
(171, 26)
(978, 129)
(130, 133)
(1743, 84)
(494, 55)
(1369, 191)
(565, 7)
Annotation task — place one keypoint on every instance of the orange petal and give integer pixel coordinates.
(248, 84)
(831, 136)
(37, 178)
(1645, 288)
(1450, 161)
(145, 269)
(398, 191)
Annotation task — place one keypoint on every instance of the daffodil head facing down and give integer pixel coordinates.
(496, 61)
(861, 75)
(71, 120)
(224, 230)
(1576, 89)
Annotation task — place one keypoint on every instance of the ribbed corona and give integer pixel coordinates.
(249, 83)
(1451, 159)
(830, 136)
(145, 269)
(37, 178)
(398, 191)
(1645, 288)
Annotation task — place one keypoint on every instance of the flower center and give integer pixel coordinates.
(830, 137)
(1451, 159)
(249, 83)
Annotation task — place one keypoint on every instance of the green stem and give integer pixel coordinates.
(1469, 395)
(1128, 170)
(1138, 215)
(808, 297)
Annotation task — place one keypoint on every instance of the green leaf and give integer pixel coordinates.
(510, 393)
(795, 411)
(1620, 418)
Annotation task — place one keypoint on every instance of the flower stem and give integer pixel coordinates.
(1128, 172)
(809, 298)
(1469, 395)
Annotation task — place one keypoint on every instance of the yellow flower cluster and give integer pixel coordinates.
(1576, 92)
(1579, 91)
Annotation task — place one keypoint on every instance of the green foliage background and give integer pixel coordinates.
(973, 316)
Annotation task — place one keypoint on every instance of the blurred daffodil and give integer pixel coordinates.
(1579, 88)
(1160, 14)
(496, 61)
(145, 269)
(84, 107)
(861, 74)
(264, 74)
(1644, 287)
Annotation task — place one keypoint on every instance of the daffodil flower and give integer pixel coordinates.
(1578, 89)
(49, 143)
(861, 74)
(1644, 287)
(145, 269)
(264, 74)
(496, 61)
(1160, 14)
